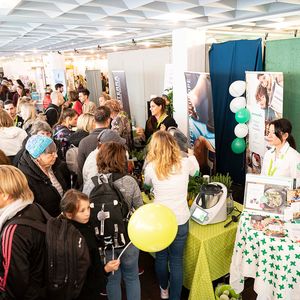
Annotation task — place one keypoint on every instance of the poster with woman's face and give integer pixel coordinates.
(264, 94)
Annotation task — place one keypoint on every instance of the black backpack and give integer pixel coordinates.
(109, 212)
(67, 255)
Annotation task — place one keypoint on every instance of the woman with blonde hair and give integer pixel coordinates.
(85, 125)
(120, 122)
(167, 172)
(28, 114)
(23, 257)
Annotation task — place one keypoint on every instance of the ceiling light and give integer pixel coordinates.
(115, 48)
(147, 44)
(6, 6)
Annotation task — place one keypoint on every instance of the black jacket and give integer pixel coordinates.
(77, 136)
(44, 192)
(96, 280)
(24, 256)
(151, 125)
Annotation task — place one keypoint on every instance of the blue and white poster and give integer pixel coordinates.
(201, 118)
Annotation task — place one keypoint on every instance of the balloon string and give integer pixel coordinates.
(119, 257)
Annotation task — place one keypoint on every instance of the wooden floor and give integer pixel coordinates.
(150, 288)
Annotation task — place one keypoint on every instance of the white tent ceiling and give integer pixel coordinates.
(60, 25)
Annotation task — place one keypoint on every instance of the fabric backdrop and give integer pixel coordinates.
(228, 62)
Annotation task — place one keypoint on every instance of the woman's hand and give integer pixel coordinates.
(112, 265)
(162, 127)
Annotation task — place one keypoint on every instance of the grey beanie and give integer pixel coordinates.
(108, 135)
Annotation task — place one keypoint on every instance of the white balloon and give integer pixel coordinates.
(241, 130)
(237, 103)
(237, 88)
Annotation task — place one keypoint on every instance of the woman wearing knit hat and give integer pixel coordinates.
(47, 176)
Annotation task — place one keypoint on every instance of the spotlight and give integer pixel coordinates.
(133, 42)
(99, 47)
(295, 33)
(59, 52)
(76, 51)
(266, 36)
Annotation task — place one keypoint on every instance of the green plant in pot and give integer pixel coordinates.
(194, 186)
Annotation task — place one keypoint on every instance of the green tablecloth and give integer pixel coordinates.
(207, 256)
(273, 262)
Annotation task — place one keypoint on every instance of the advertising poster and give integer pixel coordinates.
(264, 93)
(201, 119)
(121, 89)
(59, 77)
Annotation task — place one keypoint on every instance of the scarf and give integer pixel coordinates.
(9, 211)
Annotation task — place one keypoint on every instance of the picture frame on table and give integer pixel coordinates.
(267, 195)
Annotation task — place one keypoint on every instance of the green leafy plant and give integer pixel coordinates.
(138, 154)
(225, 179)
(194, 186)
(169, 95)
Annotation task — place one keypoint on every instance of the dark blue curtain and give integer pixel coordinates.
(228, 63)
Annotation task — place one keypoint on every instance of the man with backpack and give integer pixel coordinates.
(90, 143)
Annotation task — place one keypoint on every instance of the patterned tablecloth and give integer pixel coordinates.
(273, 262)
(207, 256)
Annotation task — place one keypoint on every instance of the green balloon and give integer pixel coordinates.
(242, 115)
(238, 145)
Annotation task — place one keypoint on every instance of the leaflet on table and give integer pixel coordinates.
(265, 194)
(293, 232)
(292, 213)
(293, 196)
(268, 225)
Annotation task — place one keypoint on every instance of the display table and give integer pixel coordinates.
(273, 262)
(207, 256)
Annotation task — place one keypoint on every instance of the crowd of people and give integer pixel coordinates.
(49, 158)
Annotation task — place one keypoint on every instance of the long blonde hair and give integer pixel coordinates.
(164, 153)
(14, 183)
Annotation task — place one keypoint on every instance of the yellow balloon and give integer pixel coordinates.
(152, 227)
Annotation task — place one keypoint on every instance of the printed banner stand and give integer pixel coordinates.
(264, 94)
(121, 90)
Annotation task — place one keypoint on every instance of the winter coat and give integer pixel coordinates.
(22, 261)
(61, 134)
(11, 139)
(44, 192)
(95, 281)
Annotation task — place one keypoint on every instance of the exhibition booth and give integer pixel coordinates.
(217, 97)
